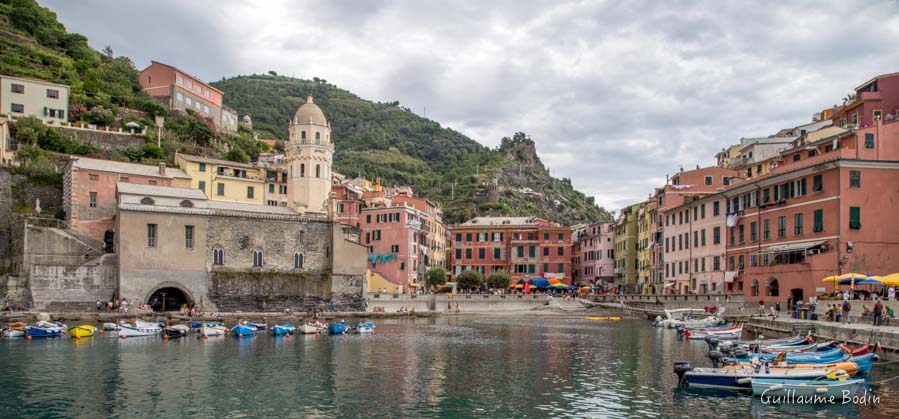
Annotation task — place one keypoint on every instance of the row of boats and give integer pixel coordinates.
(797, 367)
(44, 329)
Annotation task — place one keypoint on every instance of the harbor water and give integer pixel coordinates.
(499, 367)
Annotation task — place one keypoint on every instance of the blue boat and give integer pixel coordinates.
(364, 327)
(738, 378)
(824, 357)
(864, 362)
(283, 329)
(43, 332)
(243, 330)
(338, 328)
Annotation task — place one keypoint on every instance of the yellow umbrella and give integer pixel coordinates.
(832, 278)
(890, 280)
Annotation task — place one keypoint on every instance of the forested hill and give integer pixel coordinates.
(387, 141)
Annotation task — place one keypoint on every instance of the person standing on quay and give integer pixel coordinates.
(891, 293)
(846, 308)
(878, 312)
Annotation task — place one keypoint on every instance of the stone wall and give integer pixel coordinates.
(278, 239)
(106, 140)
(468, 303)
(269, 290)
(71, 287)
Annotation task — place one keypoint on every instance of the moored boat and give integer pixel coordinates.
(283, 330)
(243, 329)
(364, 327)
(258, 326)
(83, 331)
(728, 333)
(15, 330)
(176, 331)
(805, 392)
(43, 330)
(146, 329)
(851, 368)
(210, 329)
(739, 378)
(688, 317)
(340, 328)
(311, 328)
(110, 327)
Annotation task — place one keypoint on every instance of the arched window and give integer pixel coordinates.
(147, 201)
(187, 203)
(318, 138)
(298, 260)
(218, 256)
(257, 259)
(318, 170)
(302, 170)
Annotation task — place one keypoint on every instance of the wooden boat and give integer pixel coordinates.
(128, 330)
(850, 367)
(739, 378)
(365, 327)
(865, 362)
(602, 318)
(141, 323)
(283, 330)
(806, 392)
(212, 329)
(311, 328)
(15, 330)
(688, 317)
(176, 331)
(43, 330)
(83, 331)
(729, 333)
(243, 329)
(339, 328)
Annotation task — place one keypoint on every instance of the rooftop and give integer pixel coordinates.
(500, 221)
(220, 162)
(127, 168)
(33, 80)
(154, 190)
(183, 72)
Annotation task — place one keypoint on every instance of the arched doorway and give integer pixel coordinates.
(754, 288)
(772, 287)
(796, 294)
(168, 299)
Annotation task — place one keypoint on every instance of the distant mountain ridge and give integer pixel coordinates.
(388, 141)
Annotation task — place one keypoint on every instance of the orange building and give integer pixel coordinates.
(177, 90)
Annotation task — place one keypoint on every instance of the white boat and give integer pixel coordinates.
(733, 333)
(128, 330)
(814, 391)
(308, 329)
(110, 327)
(12, 333)
(212, 330)
(141, 323)
(688, 317)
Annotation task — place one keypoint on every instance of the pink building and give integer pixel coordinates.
(875, 99)
(827, 209)
(395, 241)
(177, 90)
(597, 252)
(89, 191)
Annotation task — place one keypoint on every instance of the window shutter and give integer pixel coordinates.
(855, 218)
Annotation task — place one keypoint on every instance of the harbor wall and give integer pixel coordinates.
(441, 303)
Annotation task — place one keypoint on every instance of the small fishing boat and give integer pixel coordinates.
(258, 326)
(340, 328)
(110, 327)
(825, 357)
(212, 329)
(813, 391)
(283, 330)
(602, 318)
(15, 330)
(688, 317)
(44, 330)
(83, 331)
(312, 328)
(849, 367)
(865, 362)
(145, 329)
(243, 329)
(729, 333)
(176, 331)
(198, 325)
(738, 378)
(141, 323)
(365, 327)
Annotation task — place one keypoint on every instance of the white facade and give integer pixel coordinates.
(309, 156)
(29, 97)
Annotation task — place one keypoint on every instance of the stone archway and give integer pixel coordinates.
(772, 287)
(169, 296)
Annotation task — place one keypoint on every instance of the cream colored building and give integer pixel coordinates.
(7, 150)
(309, 157)
(223, 180)
(31, 97)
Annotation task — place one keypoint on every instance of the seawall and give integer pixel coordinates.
(446, 303)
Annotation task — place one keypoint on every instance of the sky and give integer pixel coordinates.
(616, 94)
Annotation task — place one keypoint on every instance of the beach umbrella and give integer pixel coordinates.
(890, 280)
(572, 287)
(559, 286)
(540, 283)
(848, 281)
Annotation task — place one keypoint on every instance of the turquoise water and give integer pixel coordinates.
(498, 367)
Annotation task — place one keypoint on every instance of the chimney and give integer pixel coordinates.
(161, 169)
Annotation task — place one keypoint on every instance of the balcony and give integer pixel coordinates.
(870, 96)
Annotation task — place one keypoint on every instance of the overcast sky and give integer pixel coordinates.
(617, 94)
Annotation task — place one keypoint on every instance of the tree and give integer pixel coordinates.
(238, 155)
(107, 51)
(469, 280)
(499, 279)
(272, 73)
(436, 276)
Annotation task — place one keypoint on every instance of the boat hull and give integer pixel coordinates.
(741, 379)
(282, 330)
(83, 331)
(127, 331)
(212, 330)
(338, 329)
(308, 329)
(43, 332)
(243, 330)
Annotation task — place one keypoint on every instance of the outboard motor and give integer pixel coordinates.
(726, 347)
(658, 321)
(680, 329)
(716, 356)
(740, 353)
(681, 368)
(712, 342)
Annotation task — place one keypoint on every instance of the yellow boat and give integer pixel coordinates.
(83, 331)
(602, 318)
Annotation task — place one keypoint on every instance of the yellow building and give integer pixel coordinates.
(223, 180)
(626, 248)
(644, 243)
(726, 156)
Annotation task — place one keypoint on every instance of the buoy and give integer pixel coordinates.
(165, 337)
(240, 335)
(206, 337)
(28, 337)
(287, 335)
(123, 337)
(372, 332)
(77, 337)
(343, 333)
(100, 331)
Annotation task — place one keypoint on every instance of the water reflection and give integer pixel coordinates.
(446, 367)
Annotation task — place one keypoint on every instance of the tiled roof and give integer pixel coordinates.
(154, 190)
(201, 159)
(127, 168)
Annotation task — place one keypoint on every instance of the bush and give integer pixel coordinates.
(499, 279)
(469, 280)
(238, 155)
(54, 141)
(100, 116)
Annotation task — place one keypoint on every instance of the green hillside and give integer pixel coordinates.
(387, 141)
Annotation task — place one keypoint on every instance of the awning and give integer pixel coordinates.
(729, 276)
(669, 285)
(784, 248)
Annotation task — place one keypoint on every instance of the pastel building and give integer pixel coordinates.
(224, 180)
(597, 252)
(626, 249)
(526, 247)
(32, 97)
(89, 192)
(177, 90)
(396, 244)
(875, 99)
